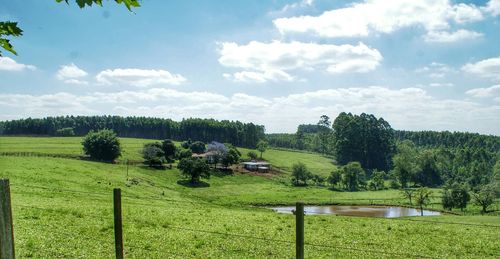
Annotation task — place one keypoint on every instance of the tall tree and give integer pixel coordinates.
(363, 138)
(405, 163)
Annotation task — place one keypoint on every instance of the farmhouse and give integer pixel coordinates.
(262, 167)
(209, 156)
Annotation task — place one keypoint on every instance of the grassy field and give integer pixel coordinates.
(63, 208)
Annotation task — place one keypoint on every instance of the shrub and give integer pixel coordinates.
(153, 154)
(102, 145)
(252, 155)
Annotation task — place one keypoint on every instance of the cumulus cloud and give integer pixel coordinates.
(8, 64)
(487, 68)
(489, 92)
(71, 74)
(139, 77)
(493, 7)
(381, 16)
(407, 108)
(264, 62)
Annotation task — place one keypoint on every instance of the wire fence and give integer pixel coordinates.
(334, 248)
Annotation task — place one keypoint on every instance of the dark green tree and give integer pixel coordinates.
(194, 168)
(153, 154)
(447, 200)
(363, 138)
(377, 181)
(197, 147)
(335, 177)
(102, 145)
(169, 149)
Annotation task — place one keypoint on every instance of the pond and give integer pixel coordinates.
(360, 211)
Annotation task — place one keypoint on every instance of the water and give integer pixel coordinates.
(360, 211)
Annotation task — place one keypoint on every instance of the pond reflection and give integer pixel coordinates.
(360, 211)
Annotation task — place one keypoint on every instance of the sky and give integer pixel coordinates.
(421, 65)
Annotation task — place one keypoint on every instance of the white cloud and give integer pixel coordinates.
(139, 77)
(487, 68)
(382, 16)
(493, 7)
(455, 36)
(71, 74)
(463, 13)
(441, 84)
(407, 108)
(8, 64)
(489, 92)
(264, 62)
(436, 70)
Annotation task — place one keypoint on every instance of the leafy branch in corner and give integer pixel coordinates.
(10, 29)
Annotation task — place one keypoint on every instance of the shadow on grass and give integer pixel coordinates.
(188, 183)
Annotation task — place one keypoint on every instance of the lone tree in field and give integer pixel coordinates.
(153, 154)
(194, 168)
(262, 147)
(300, 174)
(422, 198)
(102, 145)
(484, 197)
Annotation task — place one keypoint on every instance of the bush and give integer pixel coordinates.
(335, 177)
(194, 168)
(252, 155)
(65, 132)
(153, 154)
(300, 174)
(198, 147)
(102, 145)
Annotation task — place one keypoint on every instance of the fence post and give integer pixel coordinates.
(6, 229)
(117, 205)
(299, 230)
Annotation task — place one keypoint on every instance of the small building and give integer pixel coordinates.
(261, 167)
(209, 156)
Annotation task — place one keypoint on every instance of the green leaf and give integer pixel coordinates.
(5, 44)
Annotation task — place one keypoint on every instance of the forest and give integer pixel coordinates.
(206, 130)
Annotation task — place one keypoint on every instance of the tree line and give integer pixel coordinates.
(206, 130)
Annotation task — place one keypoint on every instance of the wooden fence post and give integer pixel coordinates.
(117, 205)
(6, 229)
(299, 230)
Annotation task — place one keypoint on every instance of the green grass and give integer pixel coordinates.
(284, 160)
(63, 208)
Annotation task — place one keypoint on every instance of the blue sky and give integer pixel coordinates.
(422, 65)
